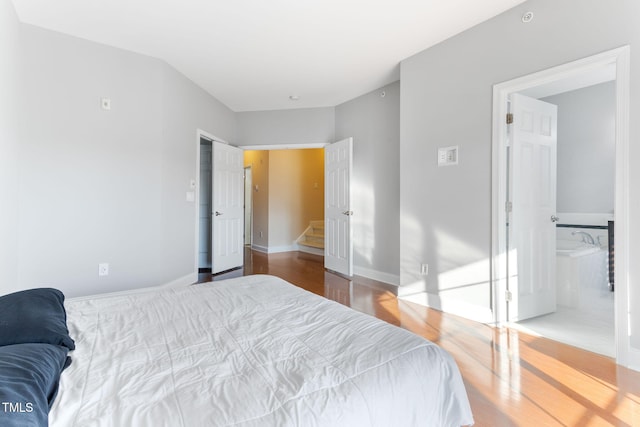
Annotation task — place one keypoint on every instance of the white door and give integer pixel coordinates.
(532, 231)
(227, 210)
(338, 247)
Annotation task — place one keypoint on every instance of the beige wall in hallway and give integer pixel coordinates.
(290, 194)
(259, 162)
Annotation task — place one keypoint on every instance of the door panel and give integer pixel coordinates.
(228, 207)
(338, 239)
(532, 236)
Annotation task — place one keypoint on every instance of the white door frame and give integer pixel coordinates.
(199, 135)
(621, 58)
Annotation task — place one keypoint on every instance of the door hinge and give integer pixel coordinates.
(508, 296)
(509, 118)
(508, 207)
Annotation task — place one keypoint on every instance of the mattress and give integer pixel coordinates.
(250, 351)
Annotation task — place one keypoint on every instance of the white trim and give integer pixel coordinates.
(210, 137)
(624, 355)
(114, 294)
(619, 57)
(181, 282)
(380, 276)
(279, 249)
(451, 305)
(634, 357)
(284, 146)
(137, 291)
(259, 248)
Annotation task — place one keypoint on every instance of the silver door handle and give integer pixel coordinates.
(347, 213)
(217, 213)
(554, 218)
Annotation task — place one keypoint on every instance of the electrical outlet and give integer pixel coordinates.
(103, 269)
(424, 269)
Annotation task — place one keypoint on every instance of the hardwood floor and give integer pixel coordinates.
(512, 379)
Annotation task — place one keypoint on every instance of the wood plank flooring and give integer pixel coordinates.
(512, 379)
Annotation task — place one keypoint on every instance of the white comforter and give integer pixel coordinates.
(252, 351)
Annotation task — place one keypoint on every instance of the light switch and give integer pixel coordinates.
(191, 196)
(105, 103)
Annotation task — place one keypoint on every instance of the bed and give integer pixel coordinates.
(250, 351)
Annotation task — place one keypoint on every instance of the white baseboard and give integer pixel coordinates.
(183, 281)
(274, 249)
(633, 361)
(187, 280)
(278, 249)
(452, 306)
(259, 248)
(380, 276)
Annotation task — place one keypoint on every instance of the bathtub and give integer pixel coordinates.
(581, 273)
(574, 248)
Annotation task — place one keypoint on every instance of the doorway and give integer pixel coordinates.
(581, 308)
(576, 73)
(287, 196)
(205, 206)
(219, 224)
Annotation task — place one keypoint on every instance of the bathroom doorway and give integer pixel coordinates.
(609, 67)
(584, 314)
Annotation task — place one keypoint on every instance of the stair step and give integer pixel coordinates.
(319, 239)
(312, 244)
(314, 235)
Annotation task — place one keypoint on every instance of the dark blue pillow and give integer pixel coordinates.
(29, 376)
(34, 316)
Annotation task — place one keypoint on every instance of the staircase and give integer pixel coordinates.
(312, 240)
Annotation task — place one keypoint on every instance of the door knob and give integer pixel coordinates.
(217, 213)
(554, 218)
(347, 213)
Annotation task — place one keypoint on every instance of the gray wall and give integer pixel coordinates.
(301, 126)
(446, 99)
(586, 149)
(107, 186)
(10, 73)
(374, 123)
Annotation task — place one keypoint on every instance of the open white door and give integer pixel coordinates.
(532, 231)
(338, 247)
(227, 207)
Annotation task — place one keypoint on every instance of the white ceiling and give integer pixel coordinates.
(253, 54)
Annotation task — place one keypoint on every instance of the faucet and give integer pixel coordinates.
(586, 237)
